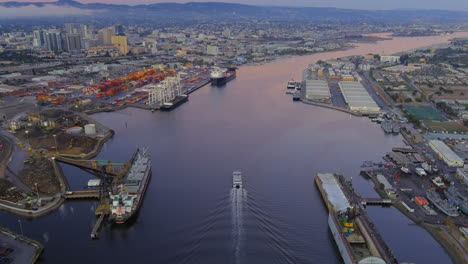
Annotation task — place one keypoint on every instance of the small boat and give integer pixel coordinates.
(237, 179)
(405, 169)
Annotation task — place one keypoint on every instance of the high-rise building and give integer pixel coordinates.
(105, 36)
(39, 38)
(73, 42)
(118, 30)
(71, 28)
(121, 42)
(54, 40)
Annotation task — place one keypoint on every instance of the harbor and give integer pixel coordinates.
(187, 202)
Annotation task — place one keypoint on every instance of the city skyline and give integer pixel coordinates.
(348, 4)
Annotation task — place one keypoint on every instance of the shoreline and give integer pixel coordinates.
(438, 232)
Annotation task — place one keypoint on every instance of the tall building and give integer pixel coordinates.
(121, 42)
(39, 38)
(73, 42)
(118, 30)
(105, 36)
(54, 41)
(71, 28)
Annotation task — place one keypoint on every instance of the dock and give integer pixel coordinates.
(97, 226)
(376, 201)
(82, 195)
(365, 242)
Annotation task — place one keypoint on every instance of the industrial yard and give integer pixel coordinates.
(426, 180)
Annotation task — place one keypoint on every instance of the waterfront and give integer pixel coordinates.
(249, 125)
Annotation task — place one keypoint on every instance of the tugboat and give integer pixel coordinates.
(291, 84)
(296, 96)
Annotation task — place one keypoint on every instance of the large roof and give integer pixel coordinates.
(335, 195)
(357, 97)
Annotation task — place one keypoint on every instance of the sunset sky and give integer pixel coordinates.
(356, 4)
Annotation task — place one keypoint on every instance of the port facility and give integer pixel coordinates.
(446, 154)
(357, 98)
(317, 90)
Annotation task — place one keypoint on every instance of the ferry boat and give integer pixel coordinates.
(237, 179)
(128, 197)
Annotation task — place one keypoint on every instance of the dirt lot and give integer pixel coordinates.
(40, 171)
(459, 92)
(9, 192)
(446, 126)
(67, 144)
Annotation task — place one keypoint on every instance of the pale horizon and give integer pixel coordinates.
(460, 5)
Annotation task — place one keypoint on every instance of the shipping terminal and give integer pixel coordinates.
(357, 240)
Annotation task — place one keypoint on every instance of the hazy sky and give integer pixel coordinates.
(356, 4)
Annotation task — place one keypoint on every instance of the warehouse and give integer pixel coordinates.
(357, 98)
(317, 90)
(447, 155)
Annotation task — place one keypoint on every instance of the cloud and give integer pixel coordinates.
(32, 11)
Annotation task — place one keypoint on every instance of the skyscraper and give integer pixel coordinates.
(39, 38)
(71, 28)
(73, 42)
(118, 30)
(121, 43)
(105, 36)
(54, 41)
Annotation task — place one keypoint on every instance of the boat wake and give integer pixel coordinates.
(238, 198)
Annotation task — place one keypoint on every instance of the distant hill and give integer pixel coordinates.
(209, 12)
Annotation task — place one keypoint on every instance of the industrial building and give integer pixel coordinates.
(317, 90)
(446, 154)
(357, 98)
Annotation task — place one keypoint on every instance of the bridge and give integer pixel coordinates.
(376, 201)
(82, 195)
(112, 168)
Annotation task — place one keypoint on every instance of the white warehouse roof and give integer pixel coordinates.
(334, 193)
(450, 157)
(357, 97)
(317, 89)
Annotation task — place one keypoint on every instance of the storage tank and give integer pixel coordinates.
(90, 129)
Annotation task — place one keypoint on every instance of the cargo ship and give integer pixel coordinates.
(237, 179)
(219, 77)
(178, 100)
(127, 199)
(442, 205)
(351, 230)
(457, 199)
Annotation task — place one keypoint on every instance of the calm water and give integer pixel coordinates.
(191, 214)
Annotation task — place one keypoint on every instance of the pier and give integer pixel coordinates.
(97, 226)
(102, 166)
(376, 201)
(82, 195)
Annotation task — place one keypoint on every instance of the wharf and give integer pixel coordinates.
(97, 226)
(338, 195)
(25, 250)
(82, 195)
